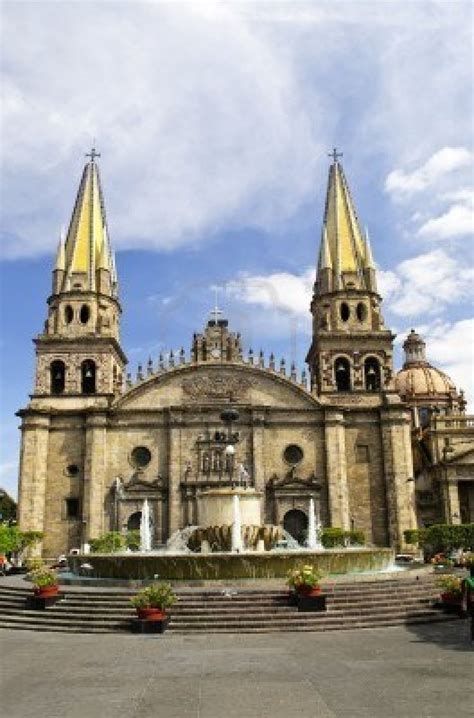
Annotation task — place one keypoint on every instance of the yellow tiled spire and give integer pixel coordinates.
(87, 245)
(344, 239)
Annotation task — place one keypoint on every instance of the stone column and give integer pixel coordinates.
(398, 468)
(258, 457)
(33, 473)
(452, 508)
(336, 470)
(95, 467)
(175, 470)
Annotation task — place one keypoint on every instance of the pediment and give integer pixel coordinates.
(292, 481)
(215, 383)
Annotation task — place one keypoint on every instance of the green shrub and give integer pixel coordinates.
(447, 537)
(132, 540)
(158, 595)
(110, 542)
(43, 577)
(12, 540)
(334, 537)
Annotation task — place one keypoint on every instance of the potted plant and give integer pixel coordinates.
(440, 561)
(45, 582)
(451, 590)
(305, 581)
(151, 602)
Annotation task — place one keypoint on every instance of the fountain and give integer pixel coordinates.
(145, 528)
(236, 546)
(230, 540)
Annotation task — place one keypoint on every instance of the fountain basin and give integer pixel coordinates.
(215, 506)
(223, 566)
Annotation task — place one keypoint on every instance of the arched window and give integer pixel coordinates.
(84, 314)
(361, 312)
(58, 376)
(344, 311)
(68, 314)
(88, 376)
(342, 374)
(372, 374)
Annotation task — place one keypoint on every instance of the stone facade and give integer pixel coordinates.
(95, 446)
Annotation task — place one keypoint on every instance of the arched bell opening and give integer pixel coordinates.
(372, 374)
(88, 377)
(57, 376)
(342, 374)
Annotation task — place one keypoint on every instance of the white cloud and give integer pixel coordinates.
(450, 346)
(426, 284)
(457, 221)
(442, 162)
(200, 122)
(281, 291)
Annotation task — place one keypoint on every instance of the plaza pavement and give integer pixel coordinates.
(423, 671)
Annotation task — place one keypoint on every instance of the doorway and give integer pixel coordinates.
(296, 523)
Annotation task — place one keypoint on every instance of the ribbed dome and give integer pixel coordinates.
(418, 379)
(423, 380)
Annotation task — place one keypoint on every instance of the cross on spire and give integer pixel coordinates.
(335, 154)
(92, 154)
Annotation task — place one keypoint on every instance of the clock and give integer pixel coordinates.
(215, 353)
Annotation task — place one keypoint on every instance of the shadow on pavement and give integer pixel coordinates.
(452, 635)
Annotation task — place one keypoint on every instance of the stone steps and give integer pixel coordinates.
(234, 610)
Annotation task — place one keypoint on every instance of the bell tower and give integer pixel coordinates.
(351, 349)
(79, 353)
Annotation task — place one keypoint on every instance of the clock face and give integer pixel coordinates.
(215, 353)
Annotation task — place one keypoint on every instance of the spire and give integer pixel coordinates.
(369, 259)
(343, 246)
(325, 261)
(87, 246)
(60, 263)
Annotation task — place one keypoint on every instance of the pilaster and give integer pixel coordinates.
(336, 470)
(33, 473)
(95, 467)
(175, 470)
(398, 468)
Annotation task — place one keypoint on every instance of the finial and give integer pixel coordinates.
(272, 362)
(216, 313)
(335, 155)
(92, 154)
(149, 368)
(304, 379)
(293, 371)
(161, 362)
(129, 380)
(282, 367)
(171, 359)
(139, 373)
(250, 356)
(182, 356)
(261, 359)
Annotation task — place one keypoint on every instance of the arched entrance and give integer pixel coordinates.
(296, 523)
(133, 523)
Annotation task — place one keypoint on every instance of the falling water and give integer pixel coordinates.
(178, 542)
(312, 536)
(236, 525)
(145, 528)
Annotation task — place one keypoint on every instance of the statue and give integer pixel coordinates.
(244, 476)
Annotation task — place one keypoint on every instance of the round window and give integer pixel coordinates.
(141, 457)
(344, 311)
(72, 470)
(293, 454)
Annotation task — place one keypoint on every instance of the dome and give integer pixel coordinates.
(423, 380)
(418, 379)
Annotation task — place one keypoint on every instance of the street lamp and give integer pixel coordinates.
(230, 453)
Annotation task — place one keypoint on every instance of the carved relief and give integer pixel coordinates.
(216, 386)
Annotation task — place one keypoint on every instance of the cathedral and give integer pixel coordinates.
(377, 451)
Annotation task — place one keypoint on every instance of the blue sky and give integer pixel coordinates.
(214, 121)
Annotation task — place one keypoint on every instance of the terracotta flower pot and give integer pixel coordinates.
(46, 591)
(452, 598)
(151, 614)
(309, 590)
